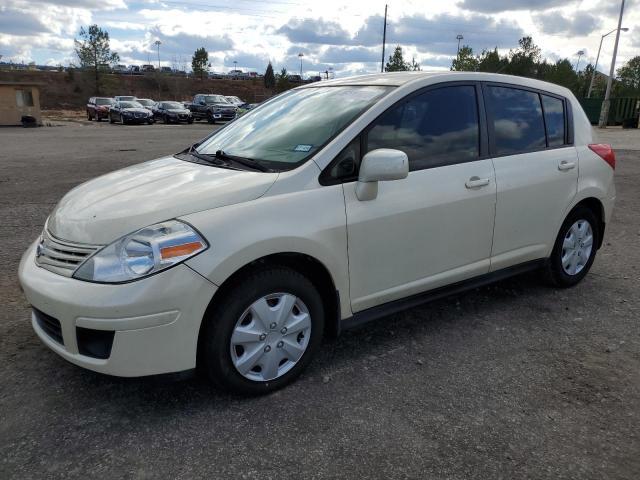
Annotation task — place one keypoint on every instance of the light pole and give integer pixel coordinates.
(604, 111)
(235, 66)
(157, 43)
(580, 53)
(459, 37)
(300, 55)
(595, 68)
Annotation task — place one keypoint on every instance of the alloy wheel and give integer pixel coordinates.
(270, 337)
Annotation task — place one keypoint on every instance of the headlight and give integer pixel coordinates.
(143, 253)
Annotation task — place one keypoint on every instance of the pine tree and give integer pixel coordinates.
(199, 62)
(93, 51)
(269, 77)
(396, 62)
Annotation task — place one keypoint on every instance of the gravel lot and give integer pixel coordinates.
(516, 380)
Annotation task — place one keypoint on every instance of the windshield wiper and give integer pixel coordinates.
(207, 158)
(247, 162)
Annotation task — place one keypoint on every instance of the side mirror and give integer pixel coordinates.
(380, 165)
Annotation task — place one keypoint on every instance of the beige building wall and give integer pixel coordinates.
(10, 112)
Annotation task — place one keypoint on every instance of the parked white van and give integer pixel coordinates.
(327, 206)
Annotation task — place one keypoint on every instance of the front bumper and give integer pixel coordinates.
(155, 320)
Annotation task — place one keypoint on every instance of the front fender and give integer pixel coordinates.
(310, 222)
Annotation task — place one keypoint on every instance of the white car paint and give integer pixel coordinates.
(418, 233)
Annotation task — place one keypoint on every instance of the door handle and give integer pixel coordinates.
(476, 182)
(564, 165)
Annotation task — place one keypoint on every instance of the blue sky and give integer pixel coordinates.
(344, 36)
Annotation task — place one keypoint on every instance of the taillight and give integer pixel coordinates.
(605, 152)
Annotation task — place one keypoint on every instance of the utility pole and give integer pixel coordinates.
(595, 68)
(604, 111)
(300, 55)
(459, 37)
(384, 38)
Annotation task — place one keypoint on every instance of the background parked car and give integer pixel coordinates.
(98, 108)
(135, 70)
(212, 108)
(233, 100)
(166, 70)
(148, 68)
(146, 102)
(129, 112)
(169, 111)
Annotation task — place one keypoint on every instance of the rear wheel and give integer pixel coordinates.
(575, 248)
(263, 334)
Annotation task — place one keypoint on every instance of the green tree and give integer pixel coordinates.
(414, 66)
(491, 61)
(396, 62)
(465, 61)
(269, 77)
(524, 60)
(629, 77)
(200, 62)
(94, 52)
(282, 80)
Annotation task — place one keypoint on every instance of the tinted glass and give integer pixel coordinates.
(173, 106)
(554, 119)
(435, 128)
(287, 130)
(517, 120)
(103, 101)
(145, 102)
(346, 163)
(215, 99)
(130, 105)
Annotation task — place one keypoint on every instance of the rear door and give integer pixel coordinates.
(536, 168)
(434, 227)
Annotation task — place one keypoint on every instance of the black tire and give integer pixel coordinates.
(190, 121)
(215, 335)
(554, 272)
(98, 119)
(111, 120)
(210, 118)
(165, 119)
(89, 117)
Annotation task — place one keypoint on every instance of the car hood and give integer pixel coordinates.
(108, 207)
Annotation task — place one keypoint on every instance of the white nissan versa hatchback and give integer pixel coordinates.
(327, 206)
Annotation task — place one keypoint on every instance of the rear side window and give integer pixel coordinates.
(517, 120)
(554, 120)
(435, 128)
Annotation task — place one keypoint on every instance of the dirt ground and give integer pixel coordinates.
(516, 380)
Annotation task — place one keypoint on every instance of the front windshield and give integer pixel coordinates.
(126, 99)
(288, 129)
(145, 102)
(130, 105)
(215, 99)
(103, 101)
(173, 106)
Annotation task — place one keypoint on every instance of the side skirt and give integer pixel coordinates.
(396, 306)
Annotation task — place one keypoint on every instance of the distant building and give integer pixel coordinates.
(20, 103)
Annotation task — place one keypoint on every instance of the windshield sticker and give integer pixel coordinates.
(302, 148)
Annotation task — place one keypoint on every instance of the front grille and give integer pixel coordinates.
(140, 115)
(50, 325)
(60, 256)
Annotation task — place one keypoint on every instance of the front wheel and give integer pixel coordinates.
(575, 248)
(210, 118)
(263, 333)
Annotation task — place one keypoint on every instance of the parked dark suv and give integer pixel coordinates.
(98, 108)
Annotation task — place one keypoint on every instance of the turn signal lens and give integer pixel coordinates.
(605, 152)
(180, 250)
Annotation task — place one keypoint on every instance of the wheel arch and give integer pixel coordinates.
(596, 206)
(313, 269)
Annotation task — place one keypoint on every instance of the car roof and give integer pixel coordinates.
(398, 79)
